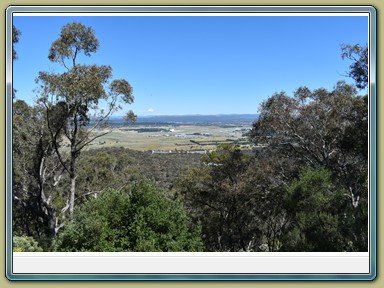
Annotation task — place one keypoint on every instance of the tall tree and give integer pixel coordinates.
(36, 173)
(329, 130)
(314, 127)
(218, 195)
(72, 97)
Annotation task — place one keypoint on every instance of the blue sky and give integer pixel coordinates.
(199, 65)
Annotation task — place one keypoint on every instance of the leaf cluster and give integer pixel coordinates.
(74, 38)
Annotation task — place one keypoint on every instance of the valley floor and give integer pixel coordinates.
(172, 138)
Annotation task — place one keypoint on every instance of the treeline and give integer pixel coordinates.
(306, 190)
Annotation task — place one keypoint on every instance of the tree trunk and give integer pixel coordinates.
(51, 222)
(72, 173)
(72, 194)
(72, 176)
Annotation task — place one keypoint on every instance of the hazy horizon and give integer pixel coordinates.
(191, 114)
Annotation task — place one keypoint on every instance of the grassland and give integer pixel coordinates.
(178, 137)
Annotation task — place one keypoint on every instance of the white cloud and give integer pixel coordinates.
(151, 110)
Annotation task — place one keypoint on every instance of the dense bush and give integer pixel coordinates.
(142, 220)
(25, 244)
(316, 209)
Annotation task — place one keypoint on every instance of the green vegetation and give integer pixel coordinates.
(304, 186)
(142, 219)
(316, 210)
(359, 68)
(77, 93)
(15, 38)
(25, 244)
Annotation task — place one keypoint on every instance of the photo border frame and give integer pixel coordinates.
(197, 9)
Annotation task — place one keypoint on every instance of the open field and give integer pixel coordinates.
(168, 137)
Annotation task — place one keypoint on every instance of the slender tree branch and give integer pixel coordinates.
(86, 143)
(54, 138)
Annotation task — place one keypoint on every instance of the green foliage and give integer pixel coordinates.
(34, 174)
(160, 224)
(96, 172)
(218, 195)
(130, 117)
(15, 38)
(358, 70)
(354, 140)
(74, 38)
(321, 129)
(122, 87)
(142, 220)
(118, 167)
(77, 93)
(315, 208)
(25, 244)
(309, 124)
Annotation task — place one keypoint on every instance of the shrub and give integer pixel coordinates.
(142, 220)
(25, 244)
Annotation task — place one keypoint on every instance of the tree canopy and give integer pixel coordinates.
(142, 219)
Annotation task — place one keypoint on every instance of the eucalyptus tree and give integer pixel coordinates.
(72, 99)
(218, 195)
(36, 174)
(328, 130)
(314, 127)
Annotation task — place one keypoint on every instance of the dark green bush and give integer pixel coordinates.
(142, 220)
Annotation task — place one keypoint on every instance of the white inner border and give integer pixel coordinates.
(191, 262)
